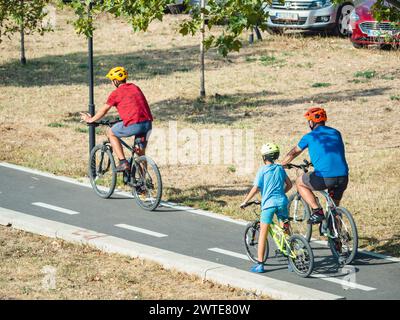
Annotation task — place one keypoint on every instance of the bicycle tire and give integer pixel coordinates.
(307, 213)
(102, 192)
(154, 204)
(333, 242)
(303, 272)
(248, 234)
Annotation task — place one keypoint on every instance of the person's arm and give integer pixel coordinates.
(100, 114)
(294, 153)
(288, 184)
(250, 195)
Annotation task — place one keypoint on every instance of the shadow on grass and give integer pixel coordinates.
(215, 109)
(226, 109)
(389, 246)
(70, 69)
(204, 197)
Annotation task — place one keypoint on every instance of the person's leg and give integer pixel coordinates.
(306, 193)
(116, 144)
(305, 184)
(262, 239)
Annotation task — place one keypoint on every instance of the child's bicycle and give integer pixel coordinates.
(339, 226)
(143, 177)
(293, 246)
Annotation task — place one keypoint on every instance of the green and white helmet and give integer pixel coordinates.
(270, 151)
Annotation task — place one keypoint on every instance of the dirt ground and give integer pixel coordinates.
(29, 263)
(264, 89)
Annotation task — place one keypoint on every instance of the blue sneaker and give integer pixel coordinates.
(258, 268)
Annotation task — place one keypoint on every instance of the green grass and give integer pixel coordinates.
(86, 130)
(270, 60)
(321, 85)
(57, 125)
(368, 74)
(395, 98)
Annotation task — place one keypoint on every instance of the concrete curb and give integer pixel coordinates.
(205, 269)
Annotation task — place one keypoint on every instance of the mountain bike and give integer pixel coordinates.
(293, 246)
(143, 176)
(338, 226)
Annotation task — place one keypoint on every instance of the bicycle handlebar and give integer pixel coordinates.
(104, 123)
(303, 167)
(251, 203)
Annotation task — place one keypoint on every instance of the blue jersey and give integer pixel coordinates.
(326, 149)
(270, 180)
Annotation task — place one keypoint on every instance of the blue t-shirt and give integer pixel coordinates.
(270, 179)
(326, 149)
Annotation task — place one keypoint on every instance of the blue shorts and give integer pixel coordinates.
(267, 215)
(140, 130)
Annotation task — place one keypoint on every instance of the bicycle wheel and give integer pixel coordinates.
(301, 257)
(344, 247)
(102, 174)
(148, 189)
(299, 213)
(251, 242)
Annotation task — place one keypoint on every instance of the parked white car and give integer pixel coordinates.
(318, 15)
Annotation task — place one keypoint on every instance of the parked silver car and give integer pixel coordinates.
(319, 15)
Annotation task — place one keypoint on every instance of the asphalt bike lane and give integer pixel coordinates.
(187, 233)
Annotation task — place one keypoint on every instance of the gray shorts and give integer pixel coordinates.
(140, 130)
(336, 185)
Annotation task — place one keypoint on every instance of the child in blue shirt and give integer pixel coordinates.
(273, 183)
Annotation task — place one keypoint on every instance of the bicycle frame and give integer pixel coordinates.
(281, 239)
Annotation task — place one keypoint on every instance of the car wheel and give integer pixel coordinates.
(342, 27)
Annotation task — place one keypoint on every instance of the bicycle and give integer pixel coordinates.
(293, 246)
(143, 176)
(342, 236)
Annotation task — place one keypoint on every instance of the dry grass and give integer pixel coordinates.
(85, 273)
(265, 87)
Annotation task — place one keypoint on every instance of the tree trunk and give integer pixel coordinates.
(202, 49)
(23, 58)
(22, 32)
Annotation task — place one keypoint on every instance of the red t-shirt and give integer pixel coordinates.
(131, 104)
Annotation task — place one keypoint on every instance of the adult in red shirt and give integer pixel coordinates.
(133, 110)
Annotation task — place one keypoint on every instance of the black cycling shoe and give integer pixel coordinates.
(123, 166)
(316, 217)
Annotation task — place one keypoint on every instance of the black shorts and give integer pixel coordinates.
(336, 185)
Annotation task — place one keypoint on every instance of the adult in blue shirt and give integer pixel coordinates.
(326, 149)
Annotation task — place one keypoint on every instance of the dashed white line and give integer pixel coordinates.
(341, 281)
(141, 230)
(229, 253)
(55, 208)
(168, 204)
(34, 178)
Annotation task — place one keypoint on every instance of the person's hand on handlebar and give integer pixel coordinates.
(86, 117)
(243, 205)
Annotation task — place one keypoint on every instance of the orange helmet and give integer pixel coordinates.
(316, 115)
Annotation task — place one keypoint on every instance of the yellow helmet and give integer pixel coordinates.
(117, 73)
(270, 151)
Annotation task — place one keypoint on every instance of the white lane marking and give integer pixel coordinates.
(229, 253)
(349, 284)
(55, 208)
(337, 280)
(166, 204)
(34, 178)
(207, 270)
(363, 251)
(141, 230)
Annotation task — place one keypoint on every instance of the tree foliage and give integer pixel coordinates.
(234, 16)
(26, 13)
(387, 10)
